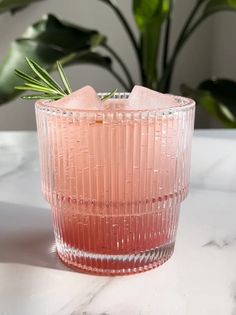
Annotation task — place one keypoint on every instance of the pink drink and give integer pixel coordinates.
(115, 180)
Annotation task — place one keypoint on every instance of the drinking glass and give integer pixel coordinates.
(115, 179)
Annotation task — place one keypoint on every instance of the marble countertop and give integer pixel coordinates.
(199, 279)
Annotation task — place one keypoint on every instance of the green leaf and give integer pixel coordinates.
(28, 78)
(87, 57)
(109, 95)
(223, 90)
(36, 88)
(146, 11)
(48, 86)
(213, 106)
(46, 42)
(41, 97)
(149, 16)
(64, 78)
(44, 76)
(213, 6)
(14, 5)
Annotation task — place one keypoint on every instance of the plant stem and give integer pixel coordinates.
(189, 20)
(129, 31)
(119, 79)
(167, 76)
(121, 63)
(167, 38)
(195, 25)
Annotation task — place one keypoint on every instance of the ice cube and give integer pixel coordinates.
(85, 98)
(144, 98)
(115, 104)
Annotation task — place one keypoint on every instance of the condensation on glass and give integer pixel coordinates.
(115, 180)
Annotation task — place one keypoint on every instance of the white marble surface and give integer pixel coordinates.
(200, 278)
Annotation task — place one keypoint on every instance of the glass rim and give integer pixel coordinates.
(188, 104)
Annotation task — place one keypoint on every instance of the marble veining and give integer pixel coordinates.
(88, 299)
(220, 244)
(200, 278)
(22, 166)
(81, 309)
(234, 297)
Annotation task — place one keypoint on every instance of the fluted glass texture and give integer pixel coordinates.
(115, 180)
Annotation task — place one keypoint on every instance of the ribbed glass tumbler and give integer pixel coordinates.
(115, 179)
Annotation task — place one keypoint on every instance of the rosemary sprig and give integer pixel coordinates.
(45, 76)
(41, 97)
(27, 78)
(36, 88)
(44, 83)
(108, 96)
(64, 78)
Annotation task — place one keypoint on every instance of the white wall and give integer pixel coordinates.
(195, 62)
(224, 46)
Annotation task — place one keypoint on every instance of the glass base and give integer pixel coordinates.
(102, 264)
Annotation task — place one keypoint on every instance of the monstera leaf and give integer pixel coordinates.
(46, 42)
(149, 16)
(14, 5)
(218, 98)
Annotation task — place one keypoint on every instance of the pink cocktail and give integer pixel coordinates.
(115, 179)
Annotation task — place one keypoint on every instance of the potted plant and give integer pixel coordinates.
(50, 40)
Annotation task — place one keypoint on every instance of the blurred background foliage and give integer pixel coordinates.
(52, 39)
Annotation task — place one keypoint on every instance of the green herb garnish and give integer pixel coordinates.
(108, 96)
(44, 83)
(64, 78)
